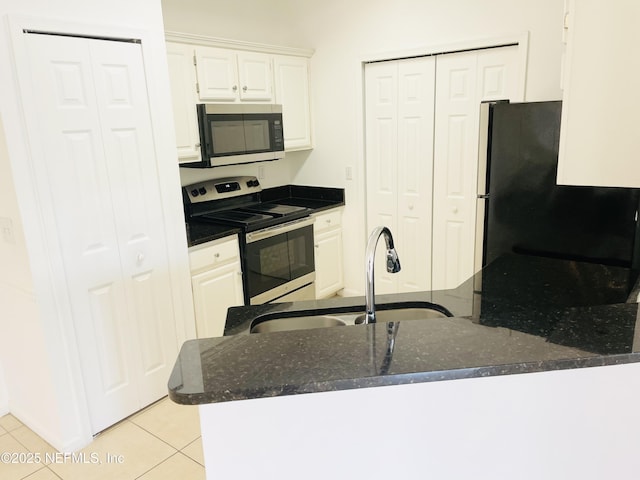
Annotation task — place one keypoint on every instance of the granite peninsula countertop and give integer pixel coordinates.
(520, 314)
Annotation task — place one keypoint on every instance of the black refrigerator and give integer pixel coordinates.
(521, 209)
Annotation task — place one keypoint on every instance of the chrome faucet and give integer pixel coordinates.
(393, 266)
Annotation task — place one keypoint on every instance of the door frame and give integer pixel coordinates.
(47, 266)
(521, 40)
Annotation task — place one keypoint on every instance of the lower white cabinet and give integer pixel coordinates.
(328, 253)
(216, 281)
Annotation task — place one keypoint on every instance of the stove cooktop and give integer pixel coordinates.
(256, 216)
(235, 201)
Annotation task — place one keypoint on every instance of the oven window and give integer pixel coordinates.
(301, 251)
(267, 264)
(276, 260)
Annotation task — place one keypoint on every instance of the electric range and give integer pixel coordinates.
(276, 240)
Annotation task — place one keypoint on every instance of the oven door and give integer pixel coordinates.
(279, 260)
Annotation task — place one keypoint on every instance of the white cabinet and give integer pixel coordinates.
(216, 281)
(182, 79)
(599, 143)
(291, 78)
(328, 253)
(230, 76)
(208, 74)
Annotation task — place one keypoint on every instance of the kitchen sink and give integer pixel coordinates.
(416, 311)
(281, 324)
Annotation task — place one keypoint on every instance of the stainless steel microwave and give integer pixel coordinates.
(233, 134)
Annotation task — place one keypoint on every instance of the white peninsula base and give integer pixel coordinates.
(565, 424)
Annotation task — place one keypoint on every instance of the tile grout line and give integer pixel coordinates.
(154, 435)
(157, 465)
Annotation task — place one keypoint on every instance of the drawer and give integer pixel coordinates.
(328, 220)
(214, 253)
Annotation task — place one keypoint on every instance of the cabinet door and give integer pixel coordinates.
(292, 91)
(98, 177)
(217, 74)
(214, 291)
(183, 96)
(255, 77)
(329, 261)
(599, 142)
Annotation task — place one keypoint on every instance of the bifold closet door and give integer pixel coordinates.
(463, 81)
(99, 181)
(399, 164)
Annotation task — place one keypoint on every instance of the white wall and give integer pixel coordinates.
(4, 396)
(344, 34)
(258, 21)
(37, 346)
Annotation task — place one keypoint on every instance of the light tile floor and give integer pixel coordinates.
(160, 442)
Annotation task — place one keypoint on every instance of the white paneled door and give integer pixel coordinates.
(422, 131)
(399, 135)
(100, 167)
(463, 81)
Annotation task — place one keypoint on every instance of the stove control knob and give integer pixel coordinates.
(202, 191)
(194, 193)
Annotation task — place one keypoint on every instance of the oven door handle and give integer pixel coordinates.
(278, 229)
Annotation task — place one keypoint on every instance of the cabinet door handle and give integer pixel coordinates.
(234, 88)
(317, 246)
(216, 255)
(244, 89)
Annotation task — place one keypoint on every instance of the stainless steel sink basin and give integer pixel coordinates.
(297, 323)
(402, 314)
(385, 313)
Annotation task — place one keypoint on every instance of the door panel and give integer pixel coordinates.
(463, 81)
(123, 108)
(99, 164)
(415, 172)
(399, 103)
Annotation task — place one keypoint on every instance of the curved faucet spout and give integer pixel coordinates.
(393, 266)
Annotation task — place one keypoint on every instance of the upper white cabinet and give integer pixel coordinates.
(229, 76)
(200, 71)
(291, 75)
(182, 79)
(599, 143)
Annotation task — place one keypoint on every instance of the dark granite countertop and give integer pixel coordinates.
(520, 314)
(316, 198)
